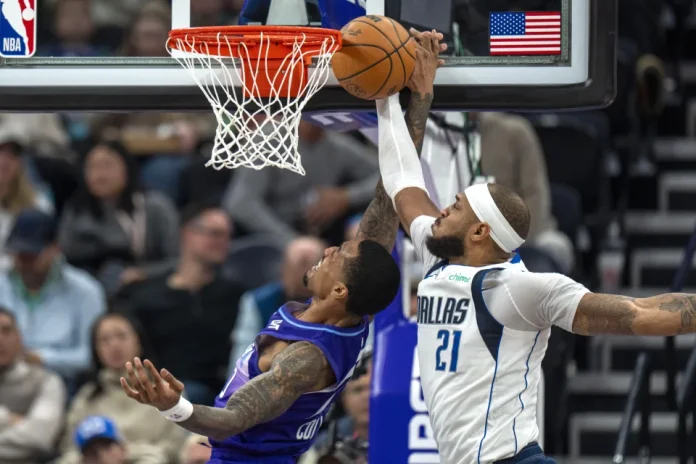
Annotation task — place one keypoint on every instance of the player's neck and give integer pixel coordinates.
(328, 313)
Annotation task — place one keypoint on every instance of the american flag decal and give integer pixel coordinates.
(525, 33)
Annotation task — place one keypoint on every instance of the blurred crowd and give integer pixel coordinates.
(116, 241)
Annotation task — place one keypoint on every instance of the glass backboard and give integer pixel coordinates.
(506, 54)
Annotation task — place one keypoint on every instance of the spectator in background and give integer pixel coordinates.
(256, 306)
(210, 13)
(111, 228)
(196, 450)
(511, 153)
(114, 342)
(55, 304)
(73, 28)
(341, 178)
(352, 429)
(100, 442)
(149, 31)
(31, 401)
(189, 313)
(16, 190)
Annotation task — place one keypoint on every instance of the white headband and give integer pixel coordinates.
(487, 211)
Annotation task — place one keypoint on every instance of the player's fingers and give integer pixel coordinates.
(135, 383)
(130, 392)
(144, 381)
(443, 47)
(434, 42)
(152, 371)
(173, 382)
(440, 63)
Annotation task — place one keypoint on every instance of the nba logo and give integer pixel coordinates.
(17, 28)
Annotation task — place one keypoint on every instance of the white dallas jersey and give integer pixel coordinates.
(482, 334)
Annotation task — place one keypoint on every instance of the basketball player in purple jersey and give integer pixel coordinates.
(272, 407)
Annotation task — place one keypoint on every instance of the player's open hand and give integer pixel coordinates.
(147, 386)
(427, 59)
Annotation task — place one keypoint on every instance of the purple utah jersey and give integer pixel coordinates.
(285, 438)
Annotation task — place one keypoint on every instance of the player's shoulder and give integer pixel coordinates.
(514, 275)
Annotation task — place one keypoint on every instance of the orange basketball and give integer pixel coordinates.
(377, 58)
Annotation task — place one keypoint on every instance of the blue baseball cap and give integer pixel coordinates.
(33, 231)
(95, 427)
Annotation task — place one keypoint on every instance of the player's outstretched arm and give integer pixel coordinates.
(398, 158)
(297, 369)
(667, 314)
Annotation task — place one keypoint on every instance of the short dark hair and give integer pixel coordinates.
(372, 279)
(195, 210)
(513, 208)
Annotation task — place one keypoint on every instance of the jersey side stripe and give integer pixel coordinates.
(526, 385)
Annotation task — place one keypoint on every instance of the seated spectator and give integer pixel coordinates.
(100, 442)
(73, 28)
(115, 342)
(16, 190)
(55, 304)
(189, 312)
(149, 31)
(256, 306)
(32, 400)
(210, 13)
(196, 450)
(340, 180)
(511, 153)
(113, 229)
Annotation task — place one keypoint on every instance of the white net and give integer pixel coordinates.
(252, 131)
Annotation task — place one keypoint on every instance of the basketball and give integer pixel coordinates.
(377, 58)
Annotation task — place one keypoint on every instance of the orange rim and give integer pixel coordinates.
(281, 39)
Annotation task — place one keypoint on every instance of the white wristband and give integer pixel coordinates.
(179, 413)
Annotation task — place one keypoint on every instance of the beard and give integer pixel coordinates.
(446, 247)
(305, 280)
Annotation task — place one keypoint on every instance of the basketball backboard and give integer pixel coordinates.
(565, 61)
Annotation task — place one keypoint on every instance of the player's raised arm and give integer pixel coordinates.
(399, 161)
(380, 221)
(298, 369)
(667, 314)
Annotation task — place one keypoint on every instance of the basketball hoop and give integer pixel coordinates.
(258, 126)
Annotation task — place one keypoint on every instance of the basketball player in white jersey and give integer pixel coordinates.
(483, 321)
(12, 12)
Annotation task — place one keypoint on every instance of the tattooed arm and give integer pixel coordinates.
(668, 314)
(298, 369)
(380, 222)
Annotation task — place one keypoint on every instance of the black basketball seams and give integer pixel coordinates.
(396, 31)
(387, 55)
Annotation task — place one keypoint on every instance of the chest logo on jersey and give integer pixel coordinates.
(441, 310)
(459, 278)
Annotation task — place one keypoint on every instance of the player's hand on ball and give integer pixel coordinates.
(427, 59)
(147, 386)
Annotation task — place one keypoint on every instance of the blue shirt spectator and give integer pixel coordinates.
(54, 303)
